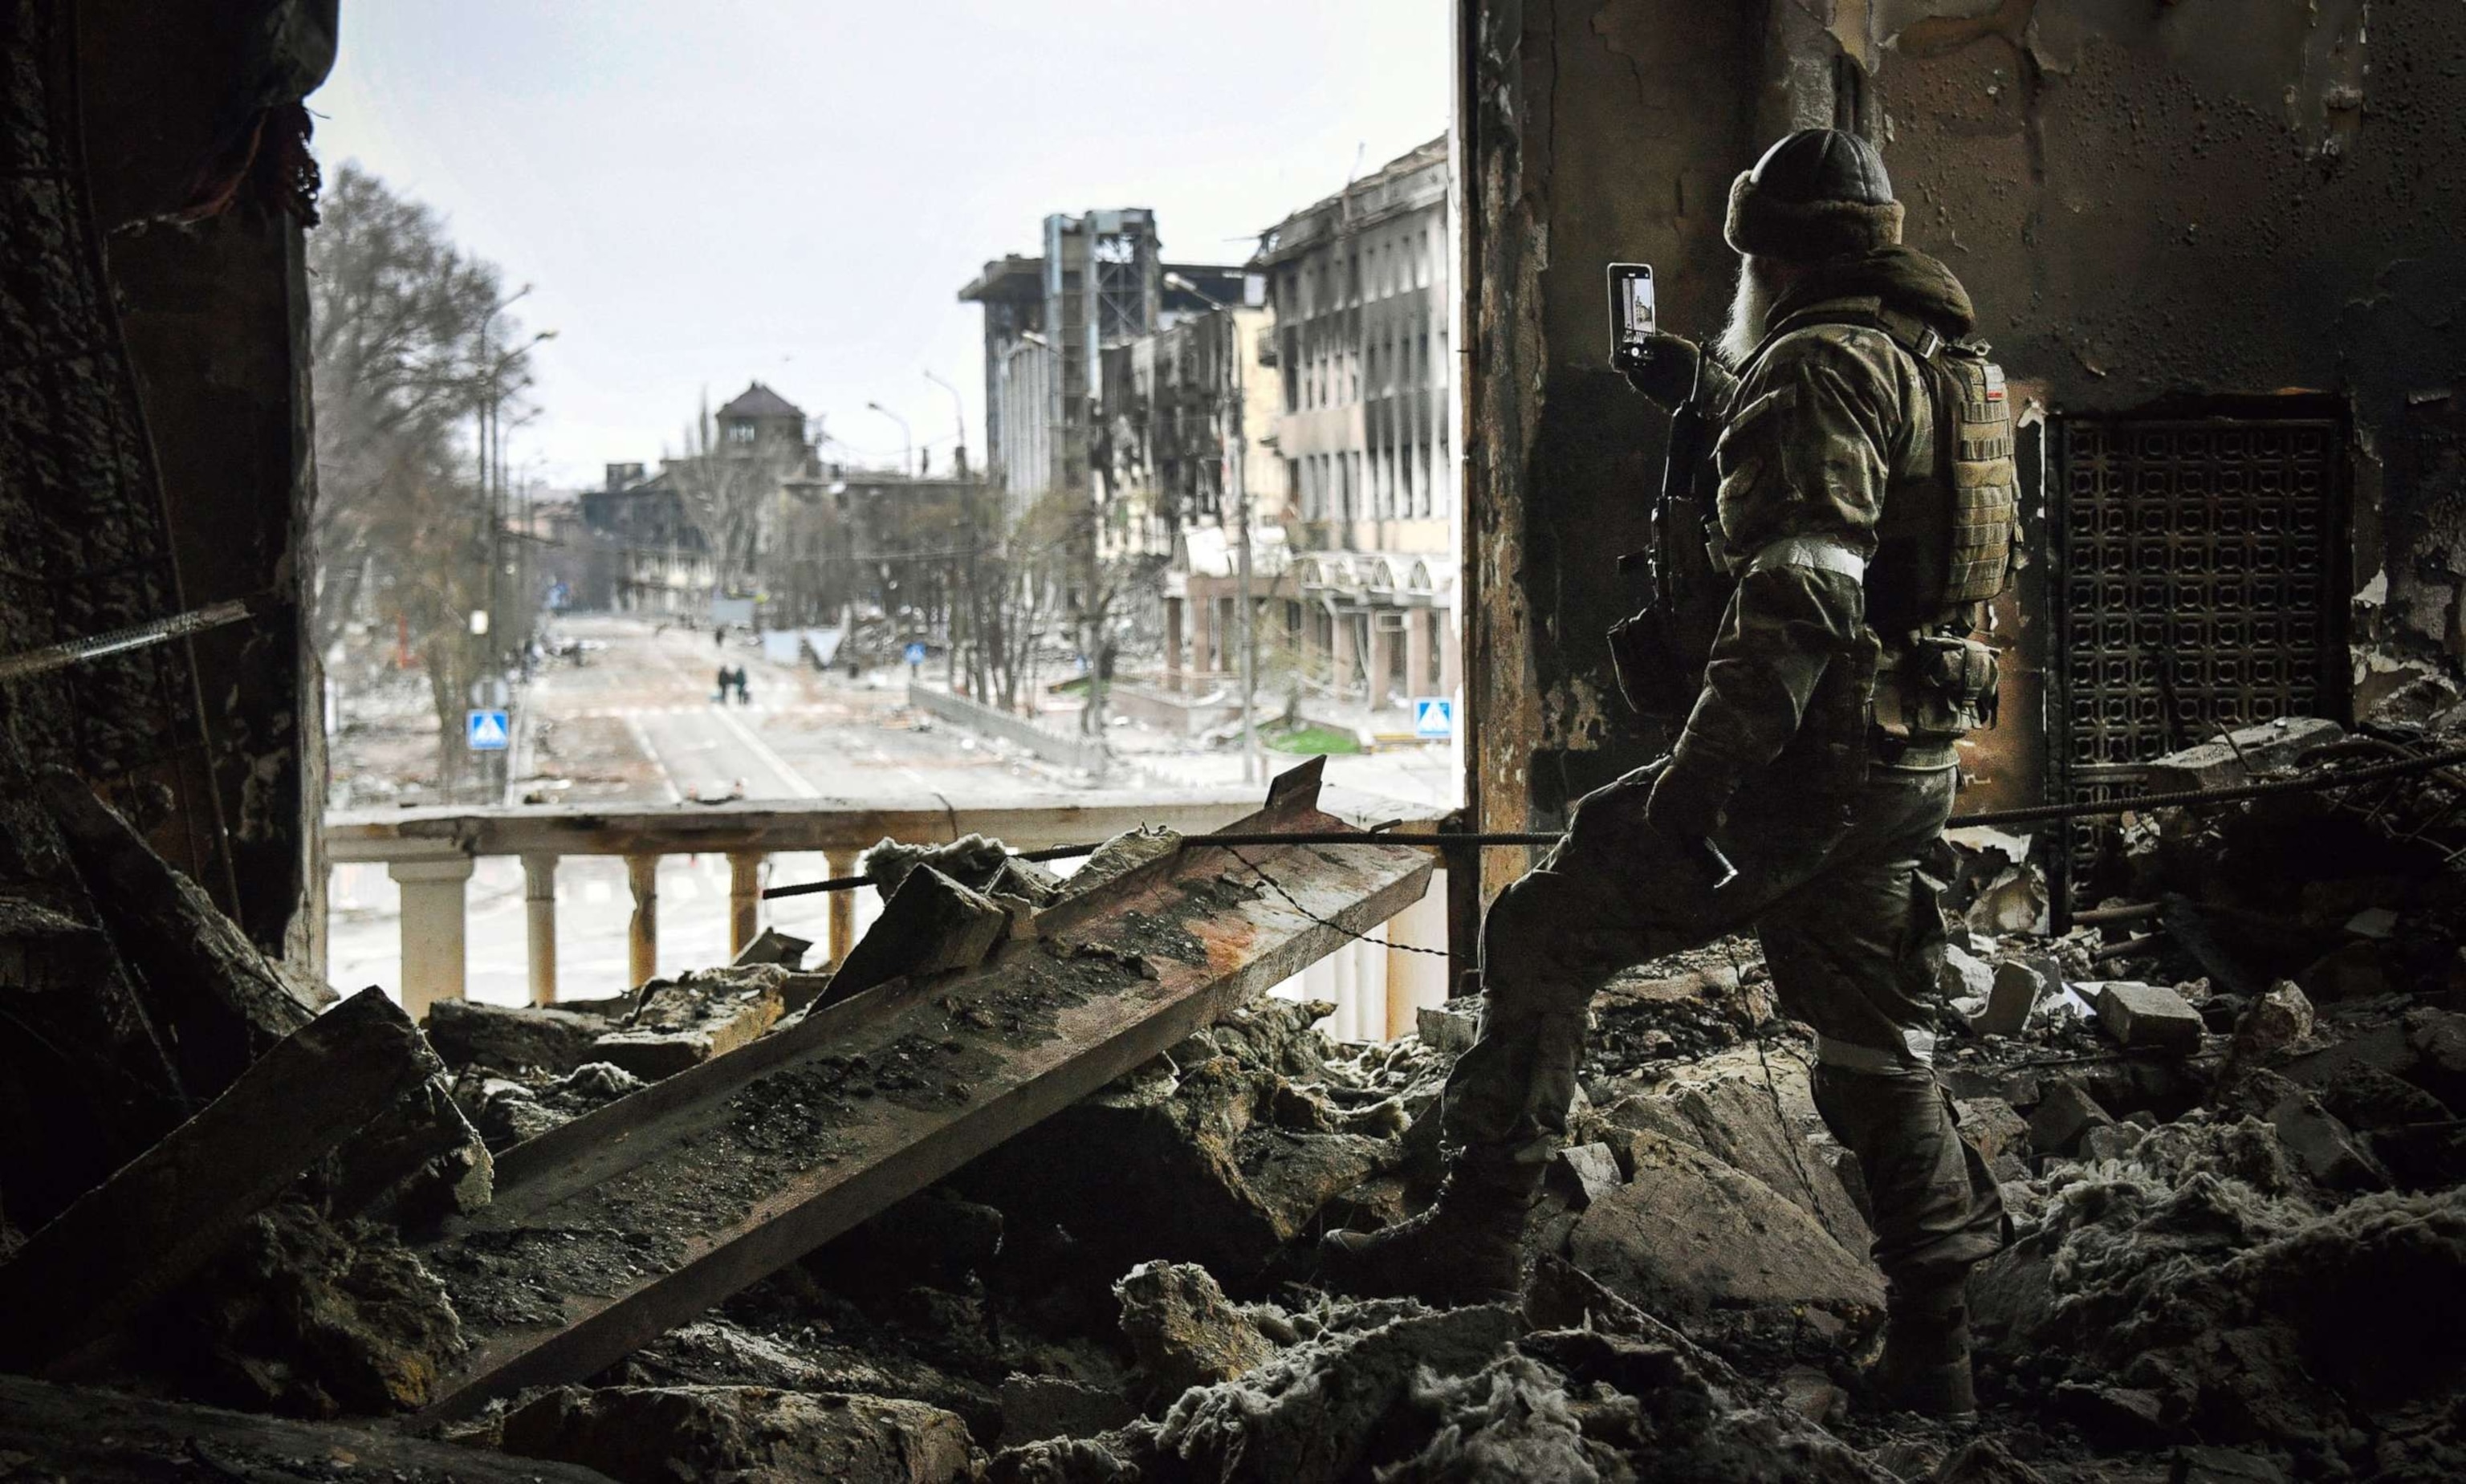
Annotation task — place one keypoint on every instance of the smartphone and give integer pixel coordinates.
(1631, 316)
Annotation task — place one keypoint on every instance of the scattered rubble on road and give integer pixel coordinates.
(2225, 1112)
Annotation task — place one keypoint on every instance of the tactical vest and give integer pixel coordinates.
(1946, 544)
(1944, 541)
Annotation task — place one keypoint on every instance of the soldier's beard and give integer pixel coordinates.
(1750, 308)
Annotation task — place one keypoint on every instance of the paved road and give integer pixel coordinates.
(639, 724)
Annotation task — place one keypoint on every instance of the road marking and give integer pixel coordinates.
(642, 741)
(772, 760)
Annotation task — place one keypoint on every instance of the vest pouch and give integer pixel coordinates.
(1944, 688)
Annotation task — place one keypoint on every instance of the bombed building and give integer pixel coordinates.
(2065, 1083)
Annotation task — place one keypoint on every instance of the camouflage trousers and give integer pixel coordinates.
(1830, 884)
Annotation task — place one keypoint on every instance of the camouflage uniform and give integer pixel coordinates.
(1826, 828)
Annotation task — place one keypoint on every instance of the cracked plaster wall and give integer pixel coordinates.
(2148, 199)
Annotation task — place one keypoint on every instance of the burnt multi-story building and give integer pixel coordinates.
(1101, 280)
(1359, 288)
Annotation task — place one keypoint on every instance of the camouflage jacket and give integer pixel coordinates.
(1823, 419)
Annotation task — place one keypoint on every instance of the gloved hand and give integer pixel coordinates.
(1664, 369)
(1686, 804)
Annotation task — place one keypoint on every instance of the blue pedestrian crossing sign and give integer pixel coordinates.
(487, 731)
(1434, 716)
(915, 654)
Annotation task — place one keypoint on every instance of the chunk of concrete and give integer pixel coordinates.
(2011, 1001)
(2322, 1144)
(2000, 1135)
(467, 1033)
(2148, 1018)
(1688, 1235)
(2062, 1116)
(773, 945)
(2250, 750)
(1583, 1173)
(1183, 1330)
(1448, 1028)
(677, 1024)
(931, 925)
(2277, 1020)
(1036, 1408)
(1965, 975)
(656, 1436)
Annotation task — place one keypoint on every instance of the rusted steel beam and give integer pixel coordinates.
(614, 1229)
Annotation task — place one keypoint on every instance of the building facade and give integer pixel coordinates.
(712, 521)
(1100, 282)
(1359, 288)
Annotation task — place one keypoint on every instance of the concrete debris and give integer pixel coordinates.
(510, 1112)
(2276, 1022)
(2241, 755)
(978, 863)
(1587, 1172)
(2238, 1207)
(1688, 1235)
(1182, 1330)
(467, 1033)
(2148, 1018)
(1035, 1409)
(1316, 1413)
(1214, 1159)
(770, 946)
(2011, 998)
(1449, 1027)
(1964, 976)
(169, 1212)
(2062, 1116)
(931, 925)
(685, 1022)
(319, 1318)
(641, 1436)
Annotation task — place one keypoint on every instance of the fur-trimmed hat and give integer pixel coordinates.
(1818, 193)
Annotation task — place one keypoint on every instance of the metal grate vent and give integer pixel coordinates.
(2197, 587)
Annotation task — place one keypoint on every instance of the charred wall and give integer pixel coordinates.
(1591, 133)
(2154, 204)
(154, 425)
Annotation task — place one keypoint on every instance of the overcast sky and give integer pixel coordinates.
(707, 193)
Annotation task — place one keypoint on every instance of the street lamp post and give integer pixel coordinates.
(1237, 473)
(906, 432)
(958, 419)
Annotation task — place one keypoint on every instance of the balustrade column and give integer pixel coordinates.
(642, 877)
(744, 900)
(539, 911)
(842, 920)
(1416, 981)
(431, 930)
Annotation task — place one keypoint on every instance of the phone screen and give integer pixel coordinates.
(1631, 311)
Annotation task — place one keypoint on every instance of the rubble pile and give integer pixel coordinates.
(2223, 1108)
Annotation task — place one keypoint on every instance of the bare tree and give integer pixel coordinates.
(408, 339)
(731, 492)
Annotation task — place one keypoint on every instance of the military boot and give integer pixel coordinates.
(1925, 1364)
(1466, 1249)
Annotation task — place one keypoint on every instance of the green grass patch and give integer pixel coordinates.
(1315, 742)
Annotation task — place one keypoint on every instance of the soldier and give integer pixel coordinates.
(1866, 504)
